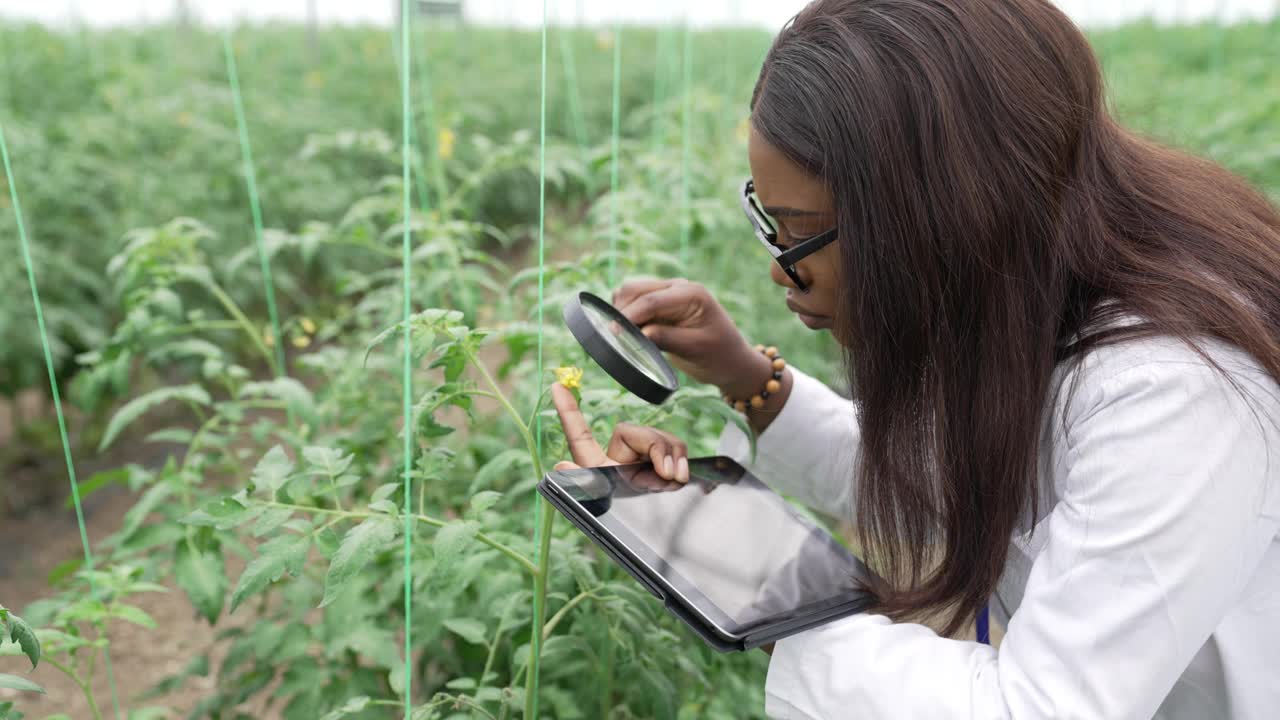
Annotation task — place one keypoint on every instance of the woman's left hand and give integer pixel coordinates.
(629, 444)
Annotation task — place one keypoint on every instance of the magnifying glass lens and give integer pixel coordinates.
(622, 341)
(618, 346)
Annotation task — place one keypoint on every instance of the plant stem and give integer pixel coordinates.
(501, 398)
(546, 517)
(424, 519)
(199, 326)
(560, 614)
(243, 321)
(606, 689)
(497, 635)
(84, 686)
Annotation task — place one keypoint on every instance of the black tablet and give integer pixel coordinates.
(726, 553)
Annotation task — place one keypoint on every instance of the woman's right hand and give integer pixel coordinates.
(686, 321)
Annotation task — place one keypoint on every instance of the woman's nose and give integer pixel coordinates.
(779, 277)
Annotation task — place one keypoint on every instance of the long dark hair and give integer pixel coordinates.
(987, 205)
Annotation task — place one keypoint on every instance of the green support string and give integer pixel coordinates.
(686, 129)
(433, 127)
(659, 95)
(414, 142)
(255, 206)
(57, 401)
(575, 100)
(615, 234)
(1218, 55)
(730, 76)
(407, 376)
(545, 516)
(430, 149)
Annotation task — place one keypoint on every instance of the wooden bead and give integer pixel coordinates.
(757, 402)
(779, 364)
(773, 386)
(759, 348)
(771, 351)
(740, 406)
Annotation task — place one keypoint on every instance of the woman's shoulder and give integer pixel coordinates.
(1166, 371)
(1192, 415)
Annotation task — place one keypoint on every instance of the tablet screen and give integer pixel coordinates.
(725, 541)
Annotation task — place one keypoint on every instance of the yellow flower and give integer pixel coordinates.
(268, 338)
(444, 143)
(308, 326)
(570, 377)
(301, 341)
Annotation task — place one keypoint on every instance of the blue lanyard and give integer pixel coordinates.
(983, 623)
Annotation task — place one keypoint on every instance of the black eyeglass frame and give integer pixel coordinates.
(768, 236)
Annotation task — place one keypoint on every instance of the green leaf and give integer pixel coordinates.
(177, 436)
(351, 707)
(270, 520)
(222, 513)
(273, 470)
(140, 405)
(276, 557)
(21, 633)
(286, 389)
(327, 461)
(96, 482)
(429, 428)
(485, 500)
(202, 576)
(450, 541)
(716, 406)
(462, 683)
(132, 614)
(13, 682)
(384, 491)
(473, 631)
(504, 464)
(57, 642)
(358, 547)
(150, 500)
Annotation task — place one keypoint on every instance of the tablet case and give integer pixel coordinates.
(676, 605)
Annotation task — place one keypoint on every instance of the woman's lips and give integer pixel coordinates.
(815, 322)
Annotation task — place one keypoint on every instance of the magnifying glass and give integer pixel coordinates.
(618, 346)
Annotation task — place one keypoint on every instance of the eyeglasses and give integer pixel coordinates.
(768, 236)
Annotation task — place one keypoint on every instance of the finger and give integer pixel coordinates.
(668, 305)
(582, 444)
(634, 443)
(632, 289)
(680, 452)
(676, 340)
(566, 465)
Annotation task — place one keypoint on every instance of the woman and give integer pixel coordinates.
(1063, 345)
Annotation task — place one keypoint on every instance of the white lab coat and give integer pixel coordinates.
(1150, 586)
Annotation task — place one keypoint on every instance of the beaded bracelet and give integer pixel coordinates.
(773, 385)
